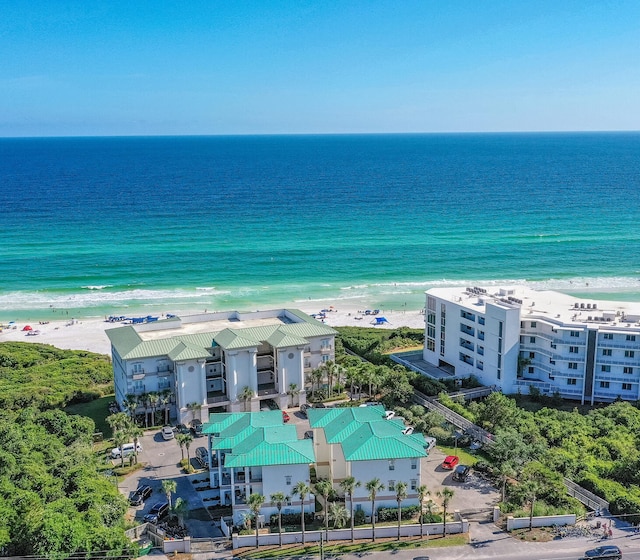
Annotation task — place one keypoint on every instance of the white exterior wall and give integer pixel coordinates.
(364, 471)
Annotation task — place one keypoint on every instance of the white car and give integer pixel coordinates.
(127, 449)
(389, 414)
(167, 433)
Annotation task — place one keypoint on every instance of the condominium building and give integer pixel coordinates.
(256, 453)
(218, 362)
(362, 442)
(515, 338)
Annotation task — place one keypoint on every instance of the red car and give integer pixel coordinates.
(450, 462)
(285, 416)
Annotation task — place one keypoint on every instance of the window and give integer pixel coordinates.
(325, 358)
(481, 335)
(604, 384)
(573, 365)
(532, 369)
(606, 369)
(481, 350)
(606, 351)
(499, 374)
(629, 353)
(414, 484)
(553, 346)
(574, 334)
(532, 340)
(431, 344)
(572, 381)
(392, 465)
(392, 485)
(414, 464)
(631, 337)
(573, 349)
(552, 362)
(287, 479)
(627, 369)
(431, 303)
(533, 324)
(532, 355)
(431, 331)
(137, 368)
(481, 320)
(480, 365)
(626, 386)
(325, 343)
(608, 336)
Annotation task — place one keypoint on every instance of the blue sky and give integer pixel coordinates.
(265, 67)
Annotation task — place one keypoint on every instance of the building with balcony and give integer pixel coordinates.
(515, 338)
(210, 359)
(257, 453)
(362, 443)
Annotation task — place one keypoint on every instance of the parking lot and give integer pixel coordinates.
(162, 460)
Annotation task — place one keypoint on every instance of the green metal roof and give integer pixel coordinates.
(257, 439)
(130, 345)
(365, 435)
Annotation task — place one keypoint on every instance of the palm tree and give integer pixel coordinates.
(445, 495)
(181, 440)
(120, 438)
(131, 403)
(181, 509)
(118, 422)
(255, 503)
(188, 439)
(246, 395)
(301, 489)
(168, 487)
(193, 407)
(348, 486)
(423, 492)
(165, 400)
(135, 433)
(325, 488)
(316, 379)
(338, 513)
(293, 391)
(154, 399)
(401, 494)
(278, 498)
(373, 487)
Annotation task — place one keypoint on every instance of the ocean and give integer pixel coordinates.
(143, 225)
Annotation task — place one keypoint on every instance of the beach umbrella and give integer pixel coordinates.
(27, 328)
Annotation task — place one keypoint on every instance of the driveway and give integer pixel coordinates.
(162, 460)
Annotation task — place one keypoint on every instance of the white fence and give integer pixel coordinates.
(542, 521)
(388, 531)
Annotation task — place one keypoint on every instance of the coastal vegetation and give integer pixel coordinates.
(54, 499)
(43, 376)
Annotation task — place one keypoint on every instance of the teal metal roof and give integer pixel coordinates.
(130, 346)
(365, 435)
(257, 439)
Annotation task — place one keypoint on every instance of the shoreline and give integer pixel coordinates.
(89, 333)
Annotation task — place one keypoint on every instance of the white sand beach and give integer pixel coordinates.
(89, 334)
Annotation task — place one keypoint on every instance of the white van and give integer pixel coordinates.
(127, 449)
(429, 443)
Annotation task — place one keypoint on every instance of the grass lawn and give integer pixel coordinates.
(97, 410)
(466, 458)
(346, 547)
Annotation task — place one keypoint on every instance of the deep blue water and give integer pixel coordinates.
(98, 225)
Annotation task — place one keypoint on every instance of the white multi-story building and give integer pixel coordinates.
(210, 359)
(361, 442)
(515, 338)
(256, 453)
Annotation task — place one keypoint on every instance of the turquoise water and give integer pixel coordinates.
(99, 226)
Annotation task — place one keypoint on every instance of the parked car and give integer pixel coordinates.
(408, 431)
(285, 416)
(389, 414)
(196, 427)
(450, 462)
(140, 495)
(167, 433)
(182, 429)
(271, 404)
(127, 449)
(319, 405)
(202, 456)
(308, 434)
(461, 473)
(303, 410)
(429, 443)
(609, 552)
(157, 512)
